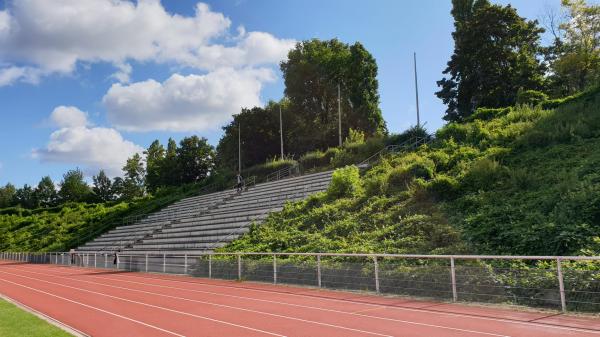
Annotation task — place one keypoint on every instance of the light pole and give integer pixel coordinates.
(281, 131)
(416, 89)
(239, 147)
(339, 115)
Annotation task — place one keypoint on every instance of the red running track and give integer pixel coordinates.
(114, 303)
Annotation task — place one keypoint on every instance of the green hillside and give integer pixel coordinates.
(522, 180)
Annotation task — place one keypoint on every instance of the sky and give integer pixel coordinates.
(89, 83)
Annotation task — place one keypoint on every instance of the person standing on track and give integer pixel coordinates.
(72, 254)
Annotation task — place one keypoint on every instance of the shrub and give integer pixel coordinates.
(262, 170)
(411, 133)
(443, 187)
(484, 174)
(531, 97)
(486, 114)
(457, 132)
(345, 183)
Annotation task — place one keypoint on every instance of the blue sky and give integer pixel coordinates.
(106, 80)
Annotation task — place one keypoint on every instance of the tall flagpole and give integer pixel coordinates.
(417, 89)
(281, 131)
(339, 115)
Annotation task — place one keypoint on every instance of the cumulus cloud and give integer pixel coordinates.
(52, 36)
(68, 117)
(185, 103)
(92, 148)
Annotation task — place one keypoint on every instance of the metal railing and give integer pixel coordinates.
(289, 171)
(567, 283)
(408, 145)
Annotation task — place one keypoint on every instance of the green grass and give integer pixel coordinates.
(15, 322)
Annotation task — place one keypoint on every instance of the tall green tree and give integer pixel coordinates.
(73, 187)
(495, 56)
(25, 197)
(133, 184)
(312, 73)
(260, 136)
(7, 195)
(155, 156)
(195, 159)
(102, 188)
(574, 57)
(169, 169)
(45, 192)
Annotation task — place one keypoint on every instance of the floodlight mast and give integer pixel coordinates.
(416, 89)
(239, 147)
(281, 131)
(339, 115)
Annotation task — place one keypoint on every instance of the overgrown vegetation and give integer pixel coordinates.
(522, 180)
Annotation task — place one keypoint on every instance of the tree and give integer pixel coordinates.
(103, 189)
(495, 55)
(45, 193)
(73, 187)
(155, 155)
(133, 184)
(25, 197)
(118, 188)
(7, 195)
(260, 136)
(195, 159)
(574, 58)
(169, 170)
(312, 73)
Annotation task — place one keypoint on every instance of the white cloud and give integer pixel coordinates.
(92, 148)
(52, 36)
(185, 103)
(68, 117)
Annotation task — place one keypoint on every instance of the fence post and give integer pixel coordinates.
(146, 263)
(453, 277)
(95, 261)
(210, 266)
(117, 256)
(185, 264)
(274, 269)
(105, 261)
(376, 265)
(239, 261)
(131, 262)
(561, 285)
(319, 270)
(164, 263)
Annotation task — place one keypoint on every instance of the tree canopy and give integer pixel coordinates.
(495, 56)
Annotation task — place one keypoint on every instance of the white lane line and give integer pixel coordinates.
(149, 305)
(94, 308)
(228, 306)
(442, 313)
(281, 303)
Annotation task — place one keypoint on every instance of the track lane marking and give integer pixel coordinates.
(94, 308)
(445, 313)
(231, 307)
(149, 305)
(266, 301)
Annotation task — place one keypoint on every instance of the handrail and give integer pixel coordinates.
(409, 144)
(284, 173)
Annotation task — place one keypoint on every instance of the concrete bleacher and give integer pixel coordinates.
(208, 221)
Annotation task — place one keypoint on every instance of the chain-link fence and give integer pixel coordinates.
(563, 283)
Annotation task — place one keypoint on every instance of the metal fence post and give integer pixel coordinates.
(319, 270)
(105, 261)
(274, 269)
(117, 256)
(164, 263)
(561, 285)
(95, 261)
(453, 277)
(131, 262)
(146, 263)
(210, 266)
(376, 265)
(185, 264)
(239, 262)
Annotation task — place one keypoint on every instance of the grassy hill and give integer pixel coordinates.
(522, 180)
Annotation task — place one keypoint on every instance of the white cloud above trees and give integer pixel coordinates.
(40, 37)
(94, 148)
(185, 103)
